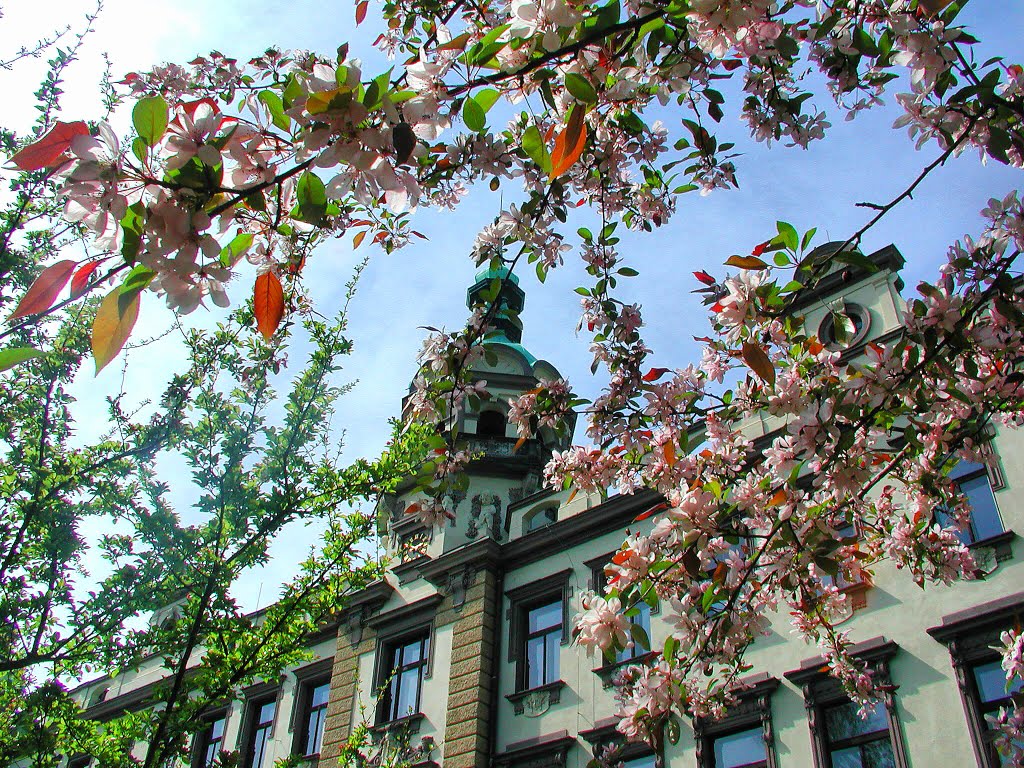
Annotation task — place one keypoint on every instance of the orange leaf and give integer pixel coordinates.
(113, 325)
(519, 444)
(361, 11)
(48, 150)
(268, 304)
(778, 499)
(757, 360)
(455, 44)
(413, 508)
(668, 450)
(81, 279)
(358, 239)
(746, 262)
(569, 144)
(644, 515)
(42, 293)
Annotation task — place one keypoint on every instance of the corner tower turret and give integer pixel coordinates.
(503, 471)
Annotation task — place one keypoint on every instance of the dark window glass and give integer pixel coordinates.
(973, 481)
(315, 715)
(81, 761)
(262, 713)
(542, 518)
(490, 424)
(647, 761)
(408, 666)
(744, 749)
(641, 619)
(856, 742)
(210, 742)
(993, 693)
(543, 641)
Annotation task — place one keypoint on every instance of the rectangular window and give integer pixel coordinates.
(407, 666)
(642, 619)
(209, 742)
(743, 749)
(543, 643)
(261, 713)
(972, 479)
(853, 741)
(989, 692)
(314, 713)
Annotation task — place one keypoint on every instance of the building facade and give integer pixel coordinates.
(465, 648)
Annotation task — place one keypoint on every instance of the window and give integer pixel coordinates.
(543, 643)
(407, 659)
(639, 616)
(854, 741)
(313, 714)
(840, 738)
(840, 330)
(79, 761)
(490, 424)
(972, 479)
(744, 737)
(260, 714)
(971, 636)
(539, 627)
(541, 518)
(209, 741)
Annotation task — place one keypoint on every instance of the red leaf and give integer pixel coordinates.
(81, 279)
(569, 144)
(358, 238)
(655, 373)
(190, 107)
(413, 508)
(361, 11)
(49, 149)
(730, 64)
(644, 516)
(704, 277)
(759, 249)
(268, 304)
(42, 293)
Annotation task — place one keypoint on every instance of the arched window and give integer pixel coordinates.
(490, 424)
(540, 518)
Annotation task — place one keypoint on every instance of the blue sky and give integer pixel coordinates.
(425, 284)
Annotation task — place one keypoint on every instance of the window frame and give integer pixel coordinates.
(822, 691)
(201, 738)
(394, 627)
(256, 697)
(308, 678)
(752, 711)
(526, 598)
(970, 636)
(973, 471)
(598, 581)
(387, 673)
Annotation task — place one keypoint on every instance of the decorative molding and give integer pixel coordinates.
(536, 701)
(820, 690)
(524, 597)
(362, 606)
(548, 751)
(408, 726)
(753, 710)
(1002, 611)
(609, 670)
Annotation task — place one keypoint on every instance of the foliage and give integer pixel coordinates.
(266, 159)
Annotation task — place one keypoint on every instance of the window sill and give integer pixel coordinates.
(988, 553)
(410, 724)
(534, 702)
(607, 672)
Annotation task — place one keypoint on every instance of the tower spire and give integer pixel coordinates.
(510, 301)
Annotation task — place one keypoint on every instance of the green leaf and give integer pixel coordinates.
(137, 281)
(788, 235)
(150, 119)
(233, 251)
(312, 198)
(473, 115)
(139, 149)
(275, 106)
(808, 236)
(487, 98)
(13, 356)
(581, 88)
(534, 147)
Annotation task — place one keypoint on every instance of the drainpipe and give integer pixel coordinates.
(496, 674)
